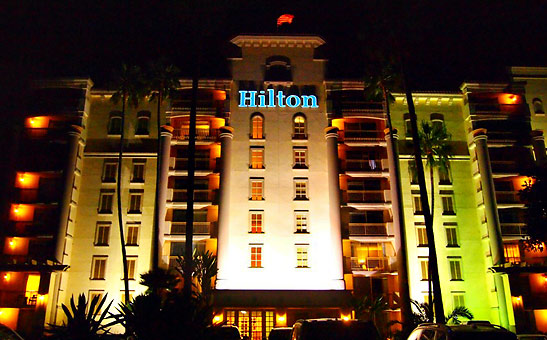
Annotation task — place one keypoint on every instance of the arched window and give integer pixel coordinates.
(538, 105)
(115, 123)
(437, 120)
(143, 120)
(299, 126)
(257, 126)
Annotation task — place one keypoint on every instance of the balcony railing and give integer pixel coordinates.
(368, 229)
(363, 135)
(365, 196)
(504, 166)
(513, 229)
(507, 197)
(200, 195)
(370, 263)
(201, 164)
(18, 299)
(201, 134)
(200, 228)
(363, 165)
(35, 196)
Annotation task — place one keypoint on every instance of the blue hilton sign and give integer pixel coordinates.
(268, 98)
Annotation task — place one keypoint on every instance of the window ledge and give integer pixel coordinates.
(97, 279)
(257, 139)
(423, 245)
(449, 213)
(251, 168)
(302, 232)
(250, 232)
(104, 213)
(300, 167)
(137, 182)
(132, 245)
(301, 199)
(452, 245)
(105, 181)
(250, 199)
(101, 245)
(460, 280)
(114, 135)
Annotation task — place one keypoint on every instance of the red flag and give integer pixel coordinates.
(285, 18)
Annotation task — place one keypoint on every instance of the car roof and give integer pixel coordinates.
(470, 327)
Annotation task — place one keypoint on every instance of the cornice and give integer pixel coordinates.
(291, 41)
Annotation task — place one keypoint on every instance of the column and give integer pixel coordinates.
(538, 142)
(68, 184)
(489, 194)
(226, 135)
(398, 223)
(331, 134)
(503, 312)
(161, 191)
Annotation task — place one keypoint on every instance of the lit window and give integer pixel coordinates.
(448, 205)
(300, 158)
(451, 236)
(302, 255)
(257, 158)
(256, 256)
(269, 321)
(256, 220)
(135, 201)
(131, 267)
(424, 266)
(511, 252)
(115, 123)
(137, 175)
(243, 323)
(98, 267)
(256, 322)
(458, 300)
(301, 221)
(143, 120)
(102, 234)
(300, 188)
(231, 317)
(257, 126)
(110, 169)
(417, 202)
(132, 237)
(299, 127)
(105, 201)
(422, 236)
(257, 189)
(455, 269)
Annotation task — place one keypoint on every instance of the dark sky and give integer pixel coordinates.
(445, 42)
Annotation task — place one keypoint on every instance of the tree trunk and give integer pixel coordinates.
(119, 199)
(156, 223)
(438, 305)
(429, 278)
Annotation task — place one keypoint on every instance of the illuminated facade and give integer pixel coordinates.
(296, 202)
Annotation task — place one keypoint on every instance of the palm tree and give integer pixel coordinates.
(129, 89)
(457, 313)
(162, 81)
(436, 149)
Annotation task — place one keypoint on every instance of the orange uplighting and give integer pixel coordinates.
(509, 98)
(12, 244)
(16, 209)
(27, 180)
(217, 319)
(9, 316)
(7, 277)
(21, 212)
(281, 320)
(346, 317)
(37, 122)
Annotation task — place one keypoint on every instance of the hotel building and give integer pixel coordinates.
(298, 203)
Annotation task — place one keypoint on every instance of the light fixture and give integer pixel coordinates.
(12, 243)
(22, 178)
(7, 277)
(32, 121)
(518, 298)
(41, 298)
(345, 317)
(16, 209)
(243, 312)
(217, 319)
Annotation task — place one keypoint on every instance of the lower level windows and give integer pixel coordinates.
(256, 221)
(301, 221)
(98, 267)
(458, 299)
(455, 269)
(302, 255)
(424, 266)
(256, 255)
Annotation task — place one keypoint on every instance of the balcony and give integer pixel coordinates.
(207, 135)
(365, 167)
(36, 196)
(380, 264)
(346, 108)
(200, 228)
(367, 196)
(363, 136)
(504, 167)
(200, 195)
(508, 199)
(513, 229)
(18, 299)
(368, 229)
(201, 164)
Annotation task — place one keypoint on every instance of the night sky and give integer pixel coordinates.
(444, 42)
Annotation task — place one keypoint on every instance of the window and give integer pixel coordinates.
(458, 300)
(256, 221)
(408, 125)
(424, 266)
(131, 267)
(102, 233)
(257, 126)
(451, 236)
(132, 235)
(413, 174)
(115, 123)
(444, 176)
(231, 317)
(300, 188)
(299, 127)
(122, 295)
(257, 158)
(437, 121)
(455, 269)
(301, 221)
(256, 325)
(448, 205)
(511, 252)
(256, 255)
(143, 120)
(269, 323)
(257, 189)
(95, 294)
(417, 202)
(302, 255)
(98, 267)
(300, 158)
(135, 201)
(538, 105)
(110, 169)
(422, 236)
(105, 201)
(137, 175)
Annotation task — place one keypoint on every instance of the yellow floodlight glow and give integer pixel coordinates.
(217, 319)
(7, 277)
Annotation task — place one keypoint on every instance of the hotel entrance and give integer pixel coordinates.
(255, 324)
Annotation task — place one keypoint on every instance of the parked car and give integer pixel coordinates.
(7, 333)
(280, 333)
(532, 337)
(472, 330)
(330, 329)
(224, 332)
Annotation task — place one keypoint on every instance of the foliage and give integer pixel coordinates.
(161, 80)
(129, 85)
(459, 312)
(204, 269)
(159, 280)
(435, 146)
(84, 320)
(368, 309)
(381, 75)
(534, 193)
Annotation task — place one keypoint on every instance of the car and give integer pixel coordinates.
(223, 332)
(330, 329)
(532, 337)
(472, 330)
(280, 333)
(8, 333)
